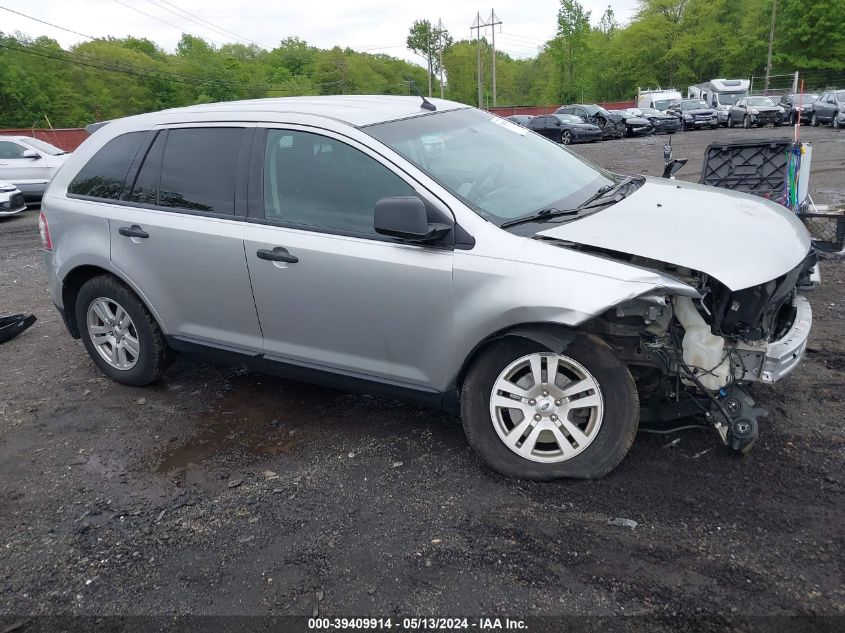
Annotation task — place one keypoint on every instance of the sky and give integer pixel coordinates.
(376, 26)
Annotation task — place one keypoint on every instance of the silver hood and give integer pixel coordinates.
(739, 239)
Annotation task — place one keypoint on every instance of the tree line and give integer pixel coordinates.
(666, 43)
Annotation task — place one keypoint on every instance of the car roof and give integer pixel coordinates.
(355, 110)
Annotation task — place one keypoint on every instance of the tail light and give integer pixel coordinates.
(44, 229)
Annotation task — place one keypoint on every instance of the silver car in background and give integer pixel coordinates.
(433, 252)
(29, 164)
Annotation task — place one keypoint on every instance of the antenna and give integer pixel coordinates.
(426, 104)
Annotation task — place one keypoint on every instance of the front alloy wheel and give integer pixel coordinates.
(536, 413)
(566, 137)
(546, 407)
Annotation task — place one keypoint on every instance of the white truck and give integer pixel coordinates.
(659, 98)
(720, 94)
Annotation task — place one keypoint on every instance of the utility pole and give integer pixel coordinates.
(771, 39)
(440, 52)
(478, 24)
(493, 24)
(428, 50)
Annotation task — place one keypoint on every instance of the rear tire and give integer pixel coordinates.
(584, 445)
(120, 334)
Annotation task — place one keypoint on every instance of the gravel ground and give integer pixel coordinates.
(221, 492)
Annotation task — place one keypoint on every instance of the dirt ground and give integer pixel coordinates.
(221, 492)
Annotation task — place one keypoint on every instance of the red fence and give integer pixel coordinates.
(535, 110)
(67, 139)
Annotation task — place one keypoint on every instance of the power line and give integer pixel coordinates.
(61, 28)
(175, 26)
(200, 22)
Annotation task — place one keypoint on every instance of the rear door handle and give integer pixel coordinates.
(278, 254)
(133, 231)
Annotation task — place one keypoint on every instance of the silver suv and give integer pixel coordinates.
(432, 252)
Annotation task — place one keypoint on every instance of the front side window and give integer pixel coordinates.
(104, 174)
(199, 168)
(317, 181)
(498, 169)
(10, 150)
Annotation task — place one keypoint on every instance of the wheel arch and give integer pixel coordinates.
(554, 336)
(73, 281)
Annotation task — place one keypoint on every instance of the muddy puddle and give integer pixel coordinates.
(263, 416)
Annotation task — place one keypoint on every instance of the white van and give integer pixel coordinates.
(659, 99)
(720, 94)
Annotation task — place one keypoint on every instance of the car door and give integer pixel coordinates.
(177, 235)
(820, 107)
(829, 107)
(540, 124)
(331, 293)
(31, 175)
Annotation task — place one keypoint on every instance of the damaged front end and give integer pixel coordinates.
(698, 355)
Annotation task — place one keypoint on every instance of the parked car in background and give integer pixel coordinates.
(520, 119)
(694, 114)
(565, 128)
(612, 125)
(720, 94)
(798, 106)
(502, 276)
(830, 108)
(757, 111)
(660, 121)
(11, 199)
(659, 99)
(635, 125)
(29, 163)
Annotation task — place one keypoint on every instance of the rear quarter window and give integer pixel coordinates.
(104, 175)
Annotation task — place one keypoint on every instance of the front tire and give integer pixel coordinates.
(566, 137)
(730, 122)
(121, 336)
(835, 122)
(535, 414)
(746, 122)
(814, 121)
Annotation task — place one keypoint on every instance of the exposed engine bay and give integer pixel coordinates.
(698, 355)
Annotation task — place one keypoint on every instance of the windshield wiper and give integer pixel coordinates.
(589, 203)
(543, 214)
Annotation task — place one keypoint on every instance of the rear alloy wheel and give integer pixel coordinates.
(566, 137)
(118, 331)
(536, 414)
(814, 121)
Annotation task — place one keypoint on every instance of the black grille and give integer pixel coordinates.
(16, 201)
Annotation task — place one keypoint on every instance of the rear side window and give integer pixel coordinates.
(199, 168)
(103, 176)
(145, 188)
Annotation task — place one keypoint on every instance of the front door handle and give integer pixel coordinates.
(133, 231)
(278, 254)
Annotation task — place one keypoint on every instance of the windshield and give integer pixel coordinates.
(664, 104)
(693, 104)
(840, 95)
(730, 98)
(651, 112)
(500, 170)
(41, 146)
(801, 99)
(760, 101)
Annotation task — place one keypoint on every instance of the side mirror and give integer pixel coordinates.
(557, 123)
(30, 153)
(406, 219)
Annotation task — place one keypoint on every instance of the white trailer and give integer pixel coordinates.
(720, 94)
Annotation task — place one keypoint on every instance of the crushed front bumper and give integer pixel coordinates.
(769, 362)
